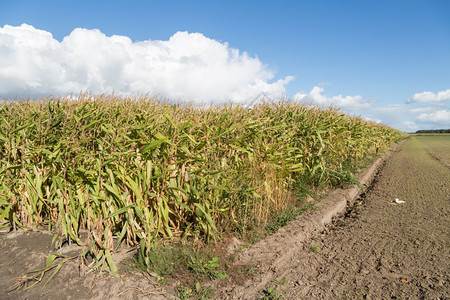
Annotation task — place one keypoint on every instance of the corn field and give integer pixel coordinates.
(102, 171)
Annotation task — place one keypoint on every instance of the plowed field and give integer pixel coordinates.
(385, 250)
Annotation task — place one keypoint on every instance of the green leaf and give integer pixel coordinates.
(135, 188)
(122, 235)
(152, 145)
(21, 128)
(112, 266)
(57, 268)
(160, 136)
(120, 211)
(50, 259)
(205, 214)
(221, 275)
(92, 124)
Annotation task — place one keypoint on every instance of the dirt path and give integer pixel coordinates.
(385, 250)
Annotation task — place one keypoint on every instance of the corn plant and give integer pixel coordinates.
(104, 171)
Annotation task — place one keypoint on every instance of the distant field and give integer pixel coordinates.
(437, 145)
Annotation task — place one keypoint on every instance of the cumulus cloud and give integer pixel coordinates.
(428, 110)
(440, 116)
(410, 118)
(316, 97)
(187, 66)
(430, 97)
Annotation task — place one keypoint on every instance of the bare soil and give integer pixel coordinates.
(378, 250)
(26, 251)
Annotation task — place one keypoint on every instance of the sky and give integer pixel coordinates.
(386, 61)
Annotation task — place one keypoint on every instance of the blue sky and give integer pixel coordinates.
(384, 60)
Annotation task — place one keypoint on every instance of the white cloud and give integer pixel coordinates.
(431, 97)
(347, 103)
(378, 121)
(410, 126)
(188, 66)
(440, 116)
(410, 118)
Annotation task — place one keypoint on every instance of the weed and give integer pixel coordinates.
(281, 281)
(314, 248)
(201, 266)
(271, 294)
(247, 270)
(184, 292)
(194, 292)
(166, 260)
(203, 292)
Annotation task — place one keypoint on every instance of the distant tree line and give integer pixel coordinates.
(434, 131)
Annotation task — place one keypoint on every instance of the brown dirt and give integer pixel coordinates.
(437, 146)
(26, 251)
(378, 250)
